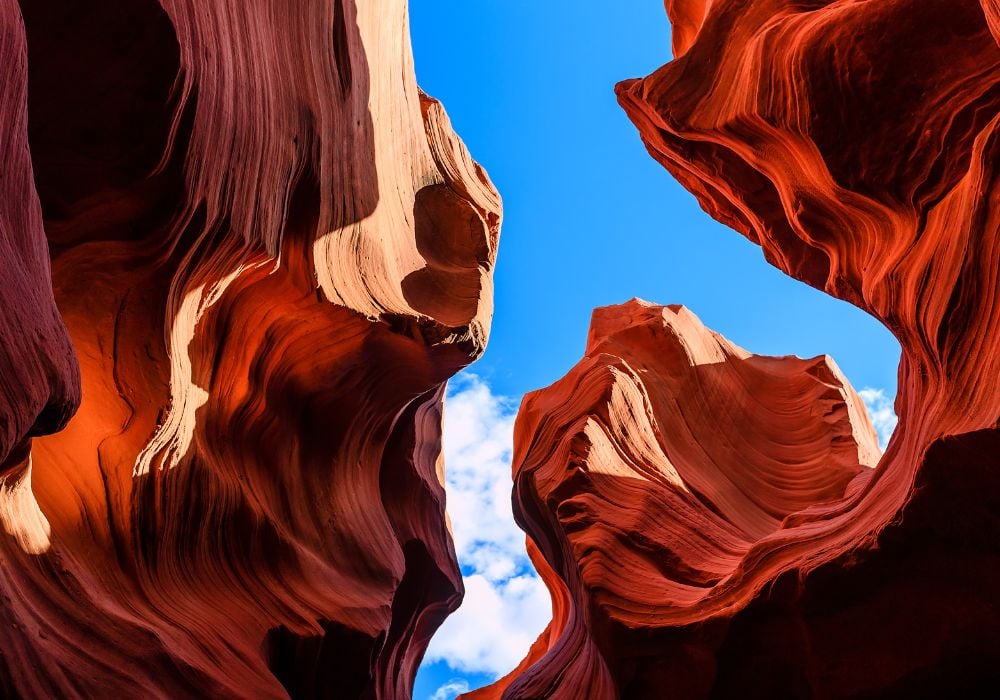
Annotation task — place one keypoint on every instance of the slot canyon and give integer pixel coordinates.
(244, 253)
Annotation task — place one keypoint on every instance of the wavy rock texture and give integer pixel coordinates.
(648, 472)
(856, 143)
(270, 252)
(39, 377)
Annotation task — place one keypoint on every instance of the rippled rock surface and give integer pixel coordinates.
(270, 252)
(857, 144)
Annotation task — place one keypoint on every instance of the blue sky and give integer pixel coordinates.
(589, 220)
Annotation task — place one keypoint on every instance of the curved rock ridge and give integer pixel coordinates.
(856, 143)
(39, 376)
(646, 474)
(271, 252)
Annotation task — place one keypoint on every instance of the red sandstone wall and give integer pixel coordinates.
(270, 252)
(856, 143)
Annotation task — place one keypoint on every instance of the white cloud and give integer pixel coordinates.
(506, 605)
(880, 410)
(451, 690)
(496, 625)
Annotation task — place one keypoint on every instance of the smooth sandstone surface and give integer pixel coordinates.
(39, 376)
(270, 252)
(695, 543)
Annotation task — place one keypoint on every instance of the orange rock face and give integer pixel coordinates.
(648, 474)
(270, 251)
(708, 519)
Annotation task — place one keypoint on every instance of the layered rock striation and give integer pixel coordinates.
(647, 474)
(270, 252)
(699, 544)
(39, 375)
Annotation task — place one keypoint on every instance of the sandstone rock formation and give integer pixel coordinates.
(39, 378)
(270, 251)
(699, 545)
(648, 473)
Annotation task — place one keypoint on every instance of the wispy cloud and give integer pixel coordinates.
(880, 410)
(451, 690)
(506, 605)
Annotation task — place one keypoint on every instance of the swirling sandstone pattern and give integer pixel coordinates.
(39, 377)
(270, 252)
(857, 144)
(651, 469)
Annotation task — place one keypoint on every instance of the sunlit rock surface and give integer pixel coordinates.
(270, 251)
(856, 143)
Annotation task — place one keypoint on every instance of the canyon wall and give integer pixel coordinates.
(270, 252)
(709, 522)
(220, 460)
